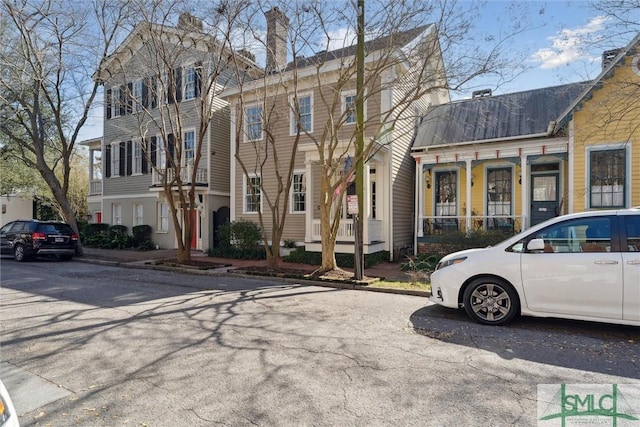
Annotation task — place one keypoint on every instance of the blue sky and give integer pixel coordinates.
(559, 42)
(562, 43)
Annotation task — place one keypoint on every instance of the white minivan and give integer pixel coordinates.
(583, 266)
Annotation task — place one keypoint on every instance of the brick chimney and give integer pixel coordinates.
(608, 56)
(277, 27)
(188, 22)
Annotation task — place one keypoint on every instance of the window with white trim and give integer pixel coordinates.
(115, 159)
(302, 114)
(161, 153)
(116, 101)
(137, 95)
(607, 183)
(189, 83)
(137, 157)
(349, 106)
(163, 217)
(253, 122)
(116, 214)
(138, 210)
(189, 145)
(298, 192)
(252, 194)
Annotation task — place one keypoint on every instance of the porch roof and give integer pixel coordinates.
(495, 118)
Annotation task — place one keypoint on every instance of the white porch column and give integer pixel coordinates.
(310, 206)
(419, 208)
(365, 216)
(232, 166)
(571, 164)
(419, 197)
(468, 212)
(91, 155)
(524, 189)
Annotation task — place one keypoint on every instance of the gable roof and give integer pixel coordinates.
(508, 116)
(390, 41)
(631, 48)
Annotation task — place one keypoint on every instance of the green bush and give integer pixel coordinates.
(233, 252)
(142, 237)
(459, 241)
(343, 260)
(241, 234)
(118, 230)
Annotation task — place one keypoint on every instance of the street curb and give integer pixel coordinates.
(149, 265)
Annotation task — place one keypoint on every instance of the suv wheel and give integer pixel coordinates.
(19, 253)
(491, 301)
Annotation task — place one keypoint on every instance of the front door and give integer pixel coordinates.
(545, 203)
(193, 213)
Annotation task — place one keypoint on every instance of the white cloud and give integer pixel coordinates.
(569, 45)
(342, 37)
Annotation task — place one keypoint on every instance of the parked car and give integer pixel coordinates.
(582, 266)
(26, 238)
(8, 414)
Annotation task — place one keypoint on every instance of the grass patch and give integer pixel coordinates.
(412, 286)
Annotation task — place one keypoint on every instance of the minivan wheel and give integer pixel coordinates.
(491, 301)
(19, 254)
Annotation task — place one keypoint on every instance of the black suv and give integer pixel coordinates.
(26, 238)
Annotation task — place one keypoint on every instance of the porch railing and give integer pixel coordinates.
(95, 187)
(509, 224)
(346, 231)
(185, 175)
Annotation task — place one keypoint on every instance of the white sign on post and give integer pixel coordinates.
(352, 204)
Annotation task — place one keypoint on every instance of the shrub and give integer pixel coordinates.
(241, 234)
(233, 252)
(120, 230)
(142, 237)
(459, 241)
(343, 260)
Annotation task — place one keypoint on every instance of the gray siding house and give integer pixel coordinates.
(155, 86)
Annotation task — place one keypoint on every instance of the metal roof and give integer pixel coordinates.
(512, 115)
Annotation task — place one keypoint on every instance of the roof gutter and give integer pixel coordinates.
(483, 141)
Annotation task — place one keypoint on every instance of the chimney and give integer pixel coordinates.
(188, 22)
(277, 27)
(608, 56)
(484, 93)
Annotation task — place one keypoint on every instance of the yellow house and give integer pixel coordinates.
(511, 161)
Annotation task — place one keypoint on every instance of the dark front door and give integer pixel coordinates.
(220, 217)
(545, 203)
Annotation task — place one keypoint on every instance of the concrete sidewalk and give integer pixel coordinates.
(387, 270)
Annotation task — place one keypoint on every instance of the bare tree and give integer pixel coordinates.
(173, 97)
(50, 49)
(408, 45)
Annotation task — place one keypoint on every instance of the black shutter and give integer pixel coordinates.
(178, 80)
(154, 91)
(123, 158)
(198, 70)
(129, 98)
(170, 150)
(154, 150)
(107, 161)
(129, 170)
(108, 103)
(123, 100)
(145, 153)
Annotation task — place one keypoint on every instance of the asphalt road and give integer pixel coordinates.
(94, 345)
